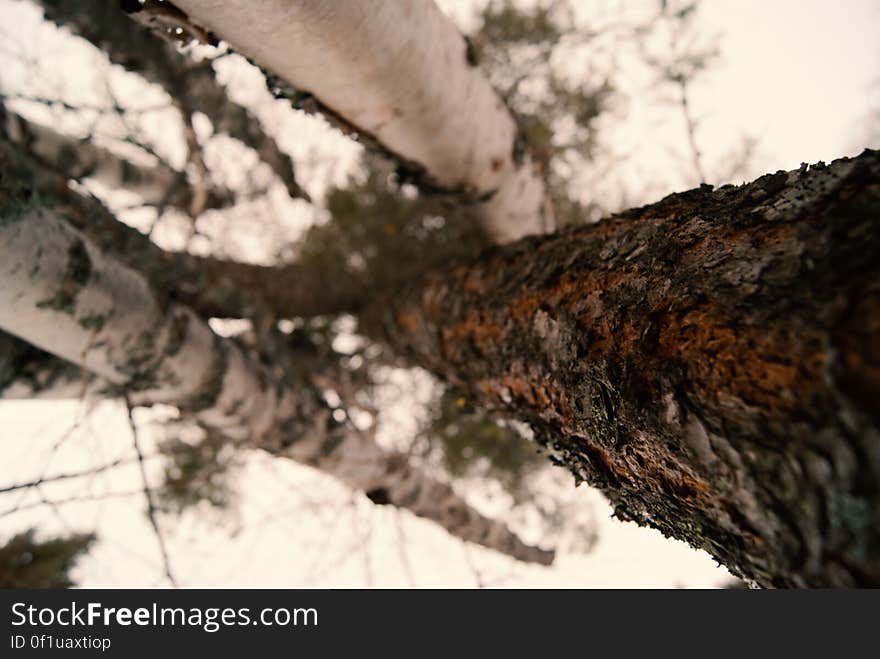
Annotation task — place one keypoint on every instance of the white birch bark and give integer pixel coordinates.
(61, 294)
(399, 73)
(156, 185)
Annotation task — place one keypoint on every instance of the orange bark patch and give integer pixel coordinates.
(647, 463)
(477, 328)
(774, 238)
(569, 292)
(409, 321)
(541, 393)
(757, 366)
(520, 387)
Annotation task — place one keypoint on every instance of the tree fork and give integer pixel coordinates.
(711, 362)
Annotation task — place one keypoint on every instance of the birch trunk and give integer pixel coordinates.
(400, 74)
(711, 362)
(212, 287)
(62, 294)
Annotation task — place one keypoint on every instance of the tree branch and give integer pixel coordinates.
(64, 476)
(157, 185)
(192, 84)
(212, 287)
(148, 496)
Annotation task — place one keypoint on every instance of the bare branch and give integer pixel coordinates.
(56, 503)
(148, 495)
(93, 471)
(192, 84)
(78, 159)
(691, 129)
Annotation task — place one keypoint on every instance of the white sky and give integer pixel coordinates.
(800, 75)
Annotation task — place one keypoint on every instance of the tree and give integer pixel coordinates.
(710, 361)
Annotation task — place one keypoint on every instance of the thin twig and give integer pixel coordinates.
(691, 129)
(56, 446)
(404, 556)
(65, 476)
(148, 493)
(63, 502)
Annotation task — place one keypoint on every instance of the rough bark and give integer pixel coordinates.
(399, 74)
(191, 84)
(157, 185)
(711, 362)
(64, 295)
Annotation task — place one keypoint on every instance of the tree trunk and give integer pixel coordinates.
(63, 294)
(213, 287)
(711, 362)
(402, 76)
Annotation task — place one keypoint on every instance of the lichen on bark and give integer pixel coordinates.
(711, 362)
